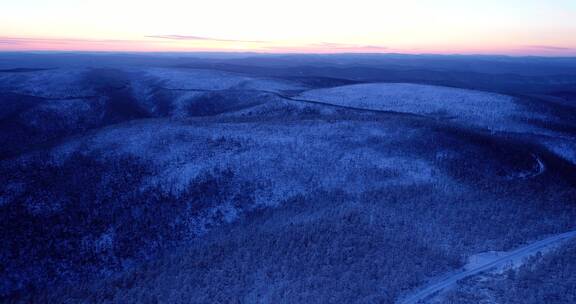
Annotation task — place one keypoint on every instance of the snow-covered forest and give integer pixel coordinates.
(231, 181)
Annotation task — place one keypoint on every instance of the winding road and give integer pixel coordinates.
(453, 278)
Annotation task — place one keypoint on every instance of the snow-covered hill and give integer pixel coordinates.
(476, 108)
(53, 84)
(248, 188)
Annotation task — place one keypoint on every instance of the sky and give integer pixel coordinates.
(508, 27)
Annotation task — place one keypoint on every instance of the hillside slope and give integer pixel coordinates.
(177, 185)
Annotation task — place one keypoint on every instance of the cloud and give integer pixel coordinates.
(16, 40)
(345, 46)
(329, 47)
(167, 42)
(7, 41)
(200, 38)
(551, 48)
(28, 40)
(79, 44)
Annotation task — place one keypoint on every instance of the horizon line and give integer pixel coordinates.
(238, 52)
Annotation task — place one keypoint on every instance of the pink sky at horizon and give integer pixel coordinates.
(158, 45)
(517, 27)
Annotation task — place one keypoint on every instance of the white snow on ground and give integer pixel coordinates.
(144, 83)
(183, 87)
(59, 83)
(483, 263)
(563, 147)
(484, 258)
(68, 113)
(181, 101)
(182, 151)
(188, 79)
(484, 109)
(537, 168)
(198, 79)
(274, 85)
